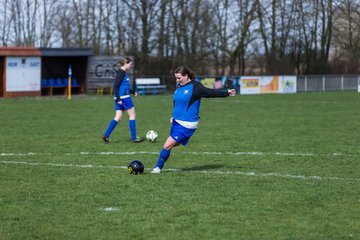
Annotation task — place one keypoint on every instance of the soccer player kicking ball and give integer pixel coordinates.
(185, 116)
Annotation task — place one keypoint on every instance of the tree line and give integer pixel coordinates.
(218, 37)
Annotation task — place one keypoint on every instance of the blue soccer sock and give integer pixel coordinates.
(132, 126)
(164, 155)
(110, 128)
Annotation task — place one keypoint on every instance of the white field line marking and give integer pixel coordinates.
(270, 175)
(61, 165)
(193, 171)
(109, 209)
(193, 153)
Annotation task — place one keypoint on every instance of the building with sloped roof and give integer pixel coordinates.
(28, 71)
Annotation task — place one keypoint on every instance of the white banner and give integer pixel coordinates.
(250, 85)
(267, 84)
(287, 84)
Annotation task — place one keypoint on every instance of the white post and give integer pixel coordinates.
(359, 83)
(305, 83)
(323, 83)
(342, 83)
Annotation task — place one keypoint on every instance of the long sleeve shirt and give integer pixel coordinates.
(187, 100)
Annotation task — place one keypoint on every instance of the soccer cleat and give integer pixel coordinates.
(137, 140)
(156, 170)
(105, 139)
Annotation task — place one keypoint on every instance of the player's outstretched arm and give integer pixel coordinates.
(231, 92)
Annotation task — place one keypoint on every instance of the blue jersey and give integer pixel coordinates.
(187, 100)
(121, 85)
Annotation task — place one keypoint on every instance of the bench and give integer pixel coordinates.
(54, 86)
(104, 88)
(149, 85)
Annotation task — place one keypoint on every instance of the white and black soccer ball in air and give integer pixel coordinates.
(136, 167)
(151, 135)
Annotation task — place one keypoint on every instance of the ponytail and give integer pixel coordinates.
(124, 61)
(184, 70)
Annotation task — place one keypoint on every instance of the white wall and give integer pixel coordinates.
(23, 74)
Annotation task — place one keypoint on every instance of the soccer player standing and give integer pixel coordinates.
(123, 101)
(185, 116)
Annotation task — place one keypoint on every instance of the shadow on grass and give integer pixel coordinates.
(203, 167)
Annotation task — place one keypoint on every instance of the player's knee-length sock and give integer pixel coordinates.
(132, 126)
(164, 155)
(110, 128)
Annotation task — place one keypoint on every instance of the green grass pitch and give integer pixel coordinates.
(258, 167)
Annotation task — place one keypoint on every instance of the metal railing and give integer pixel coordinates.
(326, 83)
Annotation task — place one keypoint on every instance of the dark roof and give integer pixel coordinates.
(19, 51)
(66, 52)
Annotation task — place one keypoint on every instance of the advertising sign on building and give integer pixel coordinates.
(208, 82)
(250, 85)
(102, 71)
(269, 84)
(287, 84)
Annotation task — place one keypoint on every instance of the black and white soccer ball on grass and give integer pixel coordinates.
(136, 167)
(152, 135)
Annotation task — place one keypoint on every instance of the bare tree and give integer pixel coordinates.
(147, 12)
(77, 6)
(347, 36)
(24, 21)
(96, 13)
(5, 22)
(47, 24)
(276, 22)
(64, 26)
(244, 16)
(16, 21)
(191, 27)
(108, 27)
(220, 37)
(123, 25)
(316, 24)
(162, 41)
(327, 12)
(31, 8)
(219, 40)
(162, 32)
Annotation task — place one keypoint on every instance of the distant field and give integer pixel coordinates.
(258, 167)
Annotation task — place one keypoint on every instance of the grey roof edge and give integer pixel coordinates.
(66, 52)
